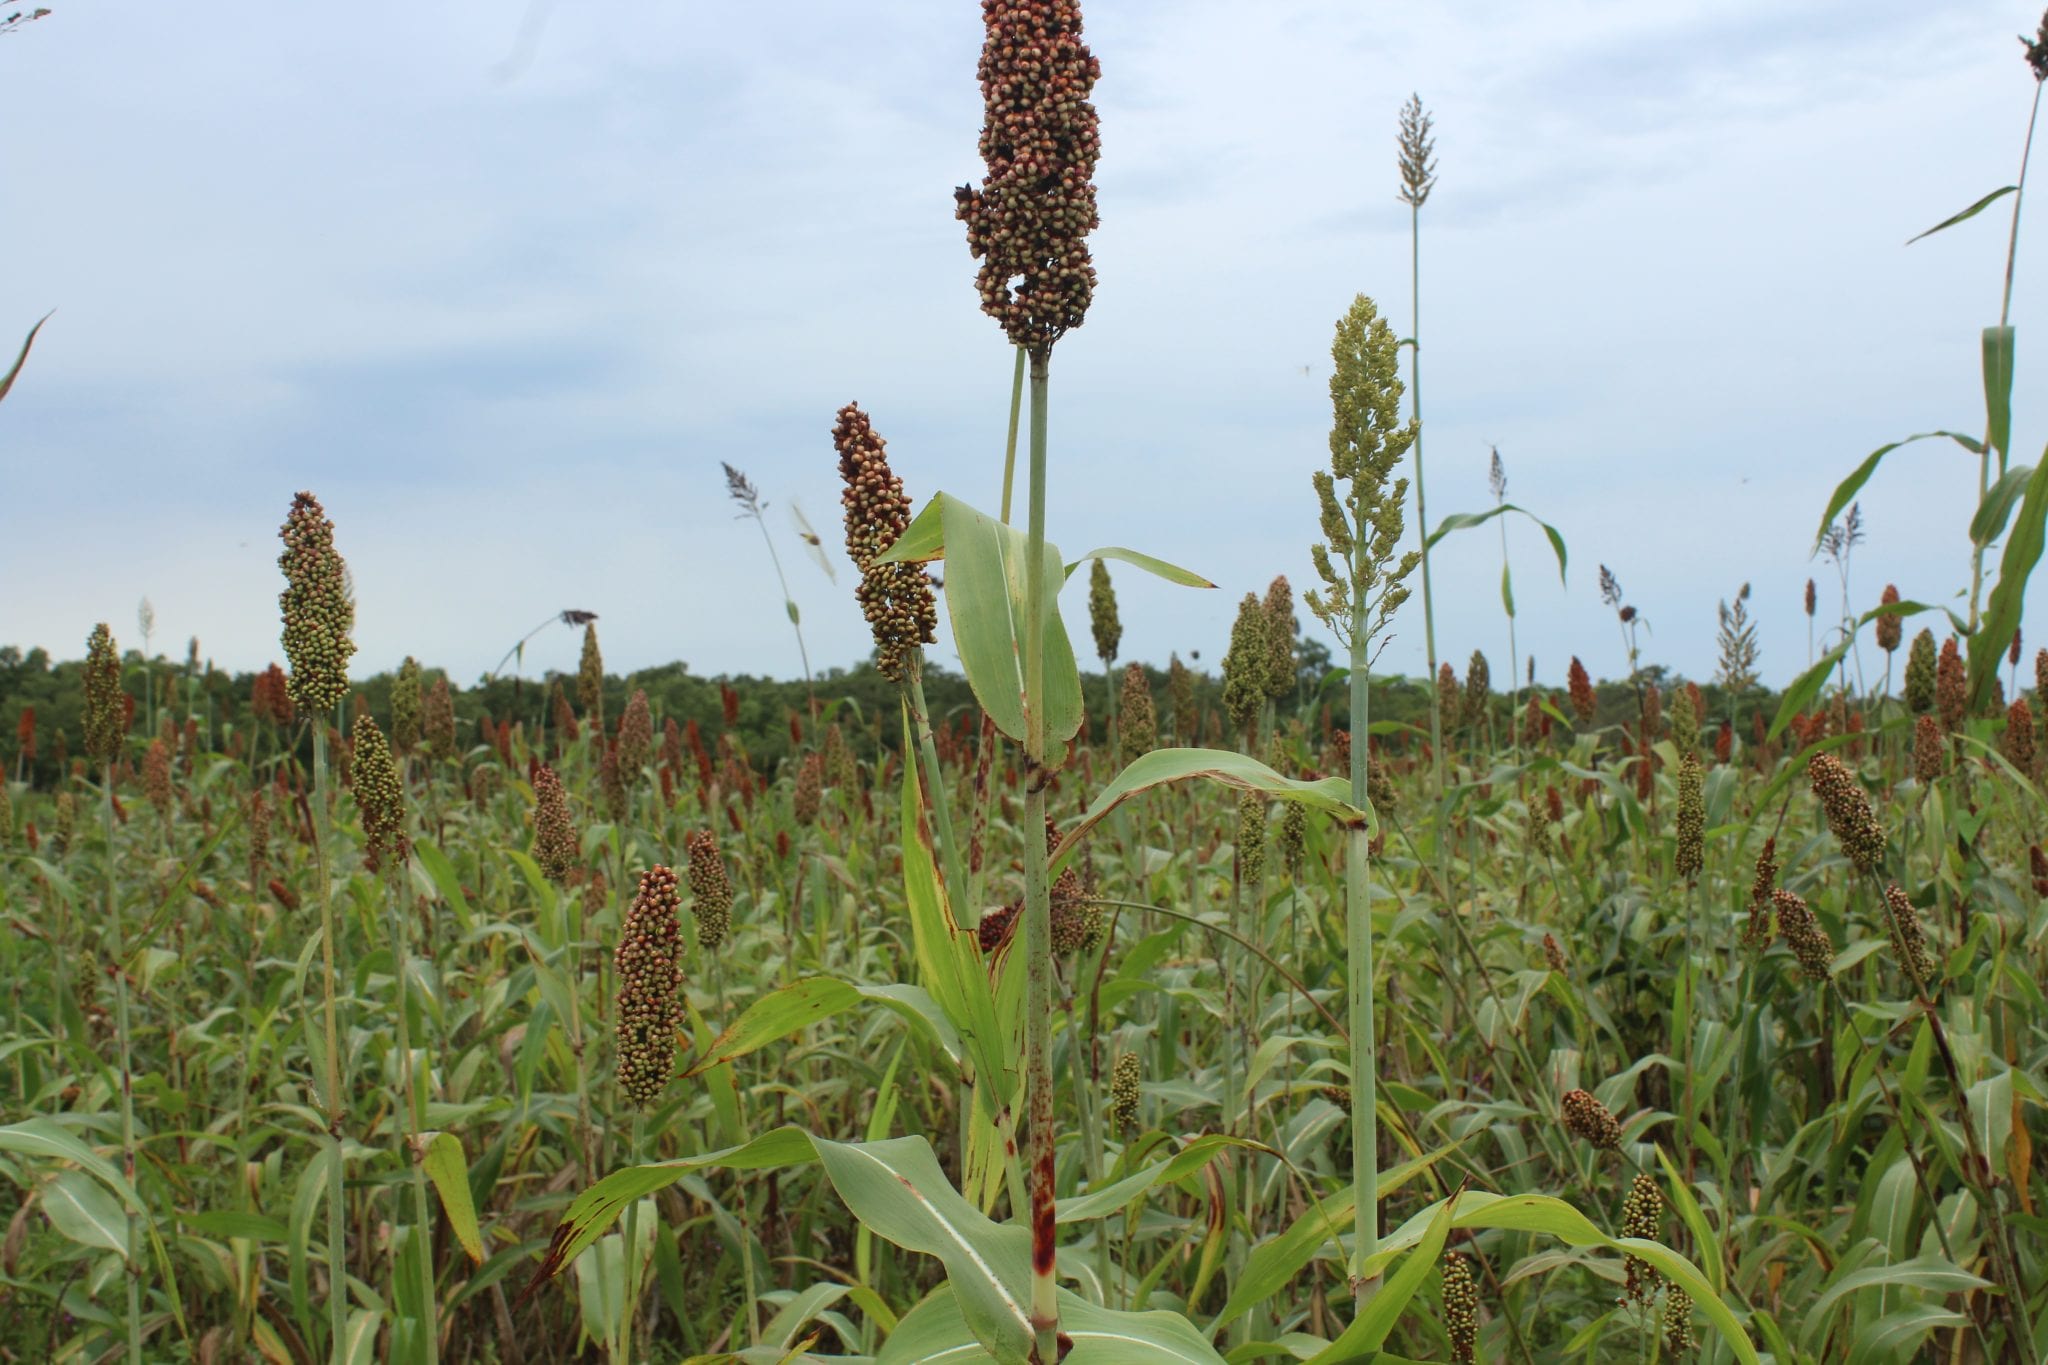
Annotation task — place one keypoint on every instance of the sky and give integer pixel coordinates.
(505, 285)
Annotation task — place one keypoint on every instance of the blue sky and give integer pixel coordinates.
(504, 285)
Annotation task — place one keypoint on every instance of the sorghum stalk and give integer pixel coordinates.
(103, 737)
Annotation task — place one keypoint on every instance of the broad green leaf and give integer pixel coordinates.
(46, 1137)
(1459, 521)
(1331, 795)
(448, 1167)
(1172, 573)
(1372, 1327)
(83, 1211)
(2002, 611)
(1847, 489)
(1999, 500)
(236, 1223)
(1971, 212)
(985, 600)
(7, 380)
(896, 1190)
(598, 1207)
(1695, 1219)
(800, 1004)
(935, 1333)
(1922, 1272)
(1998, 354)
(1196, 1154)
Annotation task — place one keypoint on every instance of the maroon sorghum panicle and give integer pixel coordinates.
(2018, 741)
(636, 736)
(1951, 686)
(2037, 866)
(1890, 629)
(649, 964)
(438, 720)
(1804, 936)
(1848, 812)
(1928, 757)
(1028, 222)
(1585, 1117)
(554, 836)
(1581, 685)
(156, 777)
(1909, 941)
(896, 598)
(809, 794)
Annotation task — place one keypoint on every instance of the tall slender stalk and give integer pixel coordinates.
(120, 964)
(413, 1115)
(1038, 1106)
(331, 1071)
(1365, 1136)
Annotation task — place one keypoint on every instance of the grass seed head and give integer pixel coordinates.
(438, 722)
(1585, 1117)
(555, 845)
(106, 711)
(405, 707)
(380, 798)
(1678, 1337)
(636, 736)
(650, 977)
(316, 605)
(2018, 741)
(1804, 936)
(1951, 686)
(1909, 940)
(1553, 954)
(1180, 690)
(809, 794)
(1417, 161)
(590, 678)
(1292, 839)
(1251, 838)
(1692, 819)
(1930, 756)
(1281, 627)
(156, 776)
(1138, 734)
(1028, 223)
(1580, 683)
(1103, 623)
(1244, 667)
(897, 599)
(1642, 1215)
(1461, 1307)
(710, 891)
(1848, 812)
(1920, 670)
(1890, 629)
(1124, 1092)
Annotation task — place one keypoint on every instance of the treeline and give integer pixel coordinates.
(42, 702)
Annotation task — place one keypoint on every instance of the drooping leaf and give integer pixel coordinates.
(1971, 212)
(1172, 573)
(1847, 489)
(84, 1212)
(1198, 1153)
(7, 380)
(1998, 357)
(1999, 500)
(795, 1007)
(1459, 521)
(935, 1333)
(448, 1167)
(1371, 1327)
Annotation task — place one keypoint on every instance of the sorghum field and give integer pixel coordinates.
(1010, 1012)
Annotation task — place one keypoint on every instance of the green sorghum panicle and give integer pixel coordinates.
(1909, 941)
(650, 977)
(636, 737)
(1848, 812)
(1102, 618)
(1280, 630)
(1180, 689)
(897, 599)
(1450, 697)
(611, 782)
(1929, 754)
(1641, 1215)
(1580, 684)
(710, 891)
(1920, 668)
(1585, 1117)
(1461, 1307)
(809, 794)
(840, 772)
(67, 820)
(380, 798)
(1251, 838)
(437, 722)
(1478, 689)
(156, 777)
(106, 714)
(318, 614)
(1678, 1337)
(1951, 686)
(1756, 934)
(1040, 138)
(1540, 841)
(1124, 1092)
(1138, 734)
(1292, 839)
(555, 845)
(405, 707)
(1692, 819)
(1803, 935)
(1892, 628)
(1685, 722)
(2018, 740)
(1244, 667)
(590, 678)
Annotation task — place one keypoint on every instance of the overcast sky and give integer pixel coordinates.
(504, 286)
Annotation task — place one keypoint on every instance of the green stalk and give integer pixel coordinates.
(413, 1116)
(134, 1240)
(1010, 444)
(1038, 1110)
(1365, 1137)
(330, 1071)
(950, 852)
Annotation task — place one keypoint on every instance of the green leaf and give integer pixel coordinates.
(448, 1167)
(1807, 685)
(1507, 590)
(1998, 346)
(985, 601)
(1330, 795)
(2016, 565)
(935, 1333)
(598, 1207)
(1922, 1272)
(46, 1137)
(896, 1190)
(1459, 521)
(1191, 1158)
(800, 1004)
(1846, 490)
(7, 380)
(1172, 573)
(236, 1223)
(1996, 508)
(1370, 1328)
(83, 1211)
(1971, 212)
